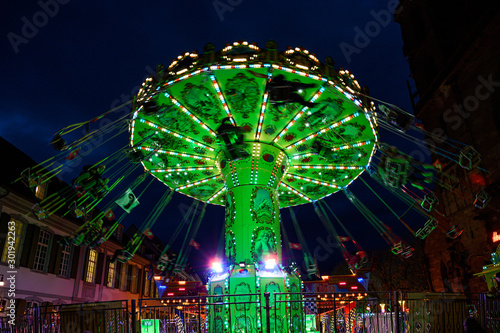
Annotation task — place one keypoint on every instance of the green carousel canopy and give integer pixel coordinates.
(312, 122)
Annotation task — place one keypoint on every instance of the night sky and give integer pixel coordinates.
(69, 61)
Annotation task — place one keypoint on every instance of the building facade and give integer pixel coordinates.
(48, 273)
(452, 51)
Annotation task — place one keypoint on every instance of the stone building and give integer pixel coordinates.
(453, 55)
(48, 273)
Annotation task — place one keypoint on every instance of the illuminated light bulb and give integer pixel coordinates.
(270, 263)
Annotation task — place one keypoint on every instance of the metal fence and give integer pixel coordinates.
(102, 317)
(380, 312)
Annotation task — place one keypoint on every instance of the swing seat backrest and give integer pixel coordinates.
(430, 201)
(401, 120)
(396, 172)
(469, 158)
(29, 179)
(39, 212)
(482, 199)
(429, 226)
(397, 248)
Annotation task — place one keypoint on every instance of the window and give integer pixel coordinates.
(30, 307)
(65, 257)
(41, 251)
(18, 231)
(111, 274)
(91, 266)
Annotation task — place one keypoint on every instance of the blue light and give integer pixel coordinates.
(360, 280)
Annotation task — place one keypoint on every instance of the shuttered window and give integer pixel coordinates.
(111, 274)
(91, 266)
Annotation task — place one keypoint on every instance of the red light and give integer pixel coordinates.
(342, 283)
(477, 179)
(182, 289)
(170, 294)
(354, 287)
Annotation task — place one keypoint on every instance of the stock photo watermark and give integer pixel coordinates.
(459, 112)
(31, 26)
(484, 89)
(364, 36)
(223, 6)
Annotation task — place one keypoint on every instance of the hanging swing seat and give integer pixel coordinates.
(94, 234)
(98, 240)
(397, 248)
(126, 254)
(408, 252)
(454, 232)
(429, 202)
(30, 179)
(179, 268)
(166, 263)
(352, 261)
(469, 158)
(428, 227)
(482, 199)
(39, 212)
(94, 237)
(99, 190)
(58, 142)
(357, 261)
(402, 249)
(150, 108)
(130, 249)
(281, 94)
(312, 269)
(322, 150)
(363, 259)
(395, 172)
(134, 156)
(77, 211)
(231, 139)
(397, 117)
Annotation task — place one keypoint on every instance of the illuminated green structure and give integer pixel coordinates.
(254, 130)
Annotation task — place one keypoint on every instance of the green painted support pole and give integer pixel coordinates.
(252, 206)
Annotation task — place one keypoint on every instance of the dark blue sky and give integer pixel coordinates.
(68, 61)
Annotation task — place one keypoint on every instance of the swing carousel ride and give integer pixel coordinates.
(255, 130)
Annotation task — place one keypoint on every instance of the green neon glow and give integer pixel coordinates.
(175, 122)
